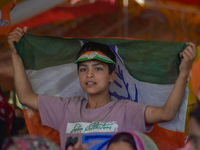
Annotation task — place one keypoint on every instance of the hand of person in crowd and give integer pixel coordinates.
(187, 58)
(15, 36)
(77, 146)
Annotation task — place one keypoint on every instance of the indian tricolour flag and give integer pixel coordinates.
(146, 73)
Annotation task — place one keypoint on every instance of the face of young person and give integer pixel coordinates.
(94, 77)
(198, 95)
(120, 146)
(194, 134)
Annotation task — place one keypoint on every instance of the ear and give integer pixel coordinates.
(198, 95)
(112, 76)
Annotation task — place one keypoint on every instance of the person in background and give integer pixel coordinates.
(131, 141)
(20, 121)
(28, 142)
(193, 142)
(7, 117)
(125, 141)
(11, 119)
(195, 79)
(198, 95)
(194, 129)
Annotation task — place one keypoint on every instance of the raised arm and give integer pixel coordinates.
(168, 111)
(22, 84)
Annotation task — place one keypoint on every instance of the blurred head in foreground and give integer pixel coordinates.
(131, 141)
(28, 142)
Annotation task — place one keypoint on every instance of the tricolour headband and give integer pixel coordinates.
(94, 55)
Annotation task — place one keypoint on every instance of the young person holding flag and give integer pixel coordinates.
(98, 117)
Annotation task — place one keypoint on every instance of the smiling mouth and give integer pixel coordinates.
(90, 83)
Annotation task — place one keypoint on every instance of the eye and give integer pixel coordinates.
(82, 69)
(98, 69)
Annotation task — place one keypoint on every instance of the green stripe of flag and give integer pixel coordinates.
(147, 61)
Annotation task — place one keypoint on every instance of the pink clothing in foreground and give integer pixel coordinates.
(187, 147)
(94, 127)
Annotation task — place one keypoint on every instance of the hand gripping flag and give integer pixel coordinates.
(5, 23)
(146, 73)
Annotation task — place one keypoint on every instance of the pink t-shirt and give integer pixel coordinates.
(94, 127)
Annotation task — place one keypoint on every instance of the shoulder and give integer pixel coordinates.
(130, 104)
(125, 102)
(51, 102)
(73, 99)
(121, 103)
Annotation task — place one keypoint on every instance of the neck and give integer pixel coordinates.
(97, 101)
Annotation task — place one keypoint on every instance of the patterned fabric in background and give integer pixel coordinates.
(29, 142)
(6, 114)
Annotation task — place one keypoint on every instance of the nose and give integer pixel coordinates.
(90, 73)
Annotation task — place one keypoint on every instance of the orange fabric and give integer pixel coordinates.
(193, 84)
(35, 126)
(5, 23)
(61, 13)
(90, 52)
(166, 139)
(195, 75)
(190, 105)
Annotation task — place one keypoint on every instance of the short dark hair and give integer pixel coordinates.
(124, 137)
(93, 46)
(196, 113)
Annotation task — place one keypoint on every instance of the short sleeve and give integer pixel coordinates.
(135, 117)
(51, 110)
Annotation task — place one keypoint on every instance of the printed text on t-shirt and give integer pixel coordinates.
(83, 127)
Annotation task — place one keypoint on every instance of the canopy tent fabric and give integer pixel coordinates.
(165, 20)
(5, 22)
(188, 2)
(31, 8)
(61, 13)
